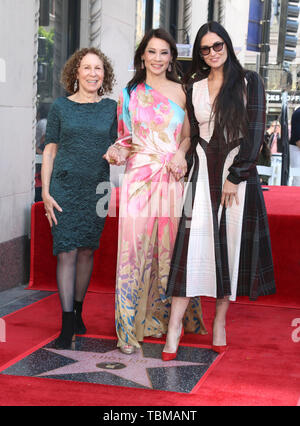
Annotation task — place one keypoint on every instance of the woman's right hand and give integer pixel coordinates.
(116, 156)
(229, 194)
(178, 165)
(50, 204)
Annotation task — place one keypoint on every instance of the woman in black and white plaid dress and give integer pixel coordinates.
(223, 245)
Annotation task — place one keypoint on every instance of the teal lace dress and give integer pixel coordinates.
(80, 176)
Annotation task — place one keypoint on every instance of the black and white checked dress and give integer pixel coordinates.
(223, 252)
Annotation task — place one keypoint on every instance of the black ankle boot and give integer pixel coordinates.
(64, 340)
(80, 328)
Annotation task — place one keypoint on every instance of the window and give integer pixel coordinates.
(58, 38)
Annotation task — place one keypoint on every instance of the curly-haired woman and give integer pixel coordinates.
(79, 131)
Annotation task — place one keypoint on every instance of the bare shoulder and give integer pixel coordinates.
(178, 93)
(178, 88)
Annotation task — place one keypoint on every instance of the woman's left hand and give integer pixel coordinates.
(112, 156)
(178, 165)
(229, 194)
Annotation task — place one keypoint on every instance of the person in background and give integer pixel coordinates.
(295, 144)
(273, 137)
(80, 129)
(41, 128)
(41, 124)
(264, 159)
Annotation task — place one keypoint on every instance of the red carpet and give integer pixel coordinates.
(43, 263)
(261, 366)
(283, 207)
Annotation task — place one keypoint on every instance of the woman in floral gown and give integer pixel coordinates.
(153, 137)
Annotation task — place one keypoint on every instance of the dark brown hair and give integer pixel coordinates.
(69, 73)
(140, 73)
(229, 108)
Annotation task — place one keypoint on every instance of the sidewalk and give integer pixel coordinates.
(18, 297)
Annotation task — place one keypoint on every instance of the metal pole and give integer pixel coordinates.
(149, 15)
(285, 165)
(211, 7)
(265, 42)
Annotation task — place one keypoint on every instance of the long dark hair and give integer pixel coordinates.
(229, 107)
(140, 73)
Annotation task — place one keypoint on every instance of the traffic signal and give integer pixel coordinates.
(287, 41)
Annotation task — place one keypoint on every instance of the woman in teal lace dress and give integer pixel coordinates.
(75, 178)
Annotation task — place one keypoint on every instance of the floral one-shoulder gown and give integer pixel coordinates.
(150, 207)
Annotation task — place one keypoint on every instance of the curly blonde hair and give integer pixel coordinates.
(69, 73)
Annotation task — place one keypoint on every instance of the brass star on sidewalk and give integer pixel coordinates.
(130, 367)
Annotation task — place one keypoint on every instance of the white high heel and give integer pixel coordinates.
(127, 349)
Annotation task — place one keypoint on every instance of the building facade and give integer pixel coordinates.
(18, 87)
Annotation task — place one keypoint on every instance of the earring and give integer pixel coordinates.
(75, 86)
(143, 64)
(170, 67)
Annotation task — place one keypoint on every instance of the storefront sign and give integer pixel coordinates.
(276, 97)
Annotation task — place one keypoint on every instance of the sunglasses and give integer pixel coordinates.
(218, 46)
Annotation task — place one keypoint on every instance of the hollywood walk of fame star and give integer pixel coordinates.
(129, 367)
